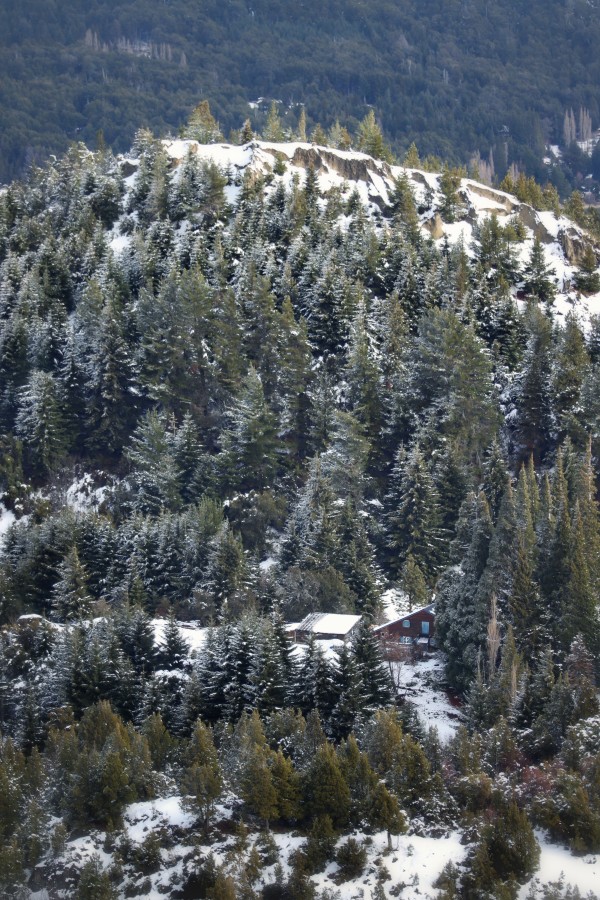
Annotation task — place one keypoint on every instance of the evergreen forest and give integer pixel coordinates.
(462, 78)
(234, 398)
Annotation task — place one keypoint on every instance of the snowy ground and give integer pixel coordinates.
(413, 865)
(149, 815)
(7, 517)
(193, 634)
(422, 683)
(557, 864)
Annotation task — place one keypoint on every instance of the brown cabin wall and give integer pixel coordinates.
(395, 630)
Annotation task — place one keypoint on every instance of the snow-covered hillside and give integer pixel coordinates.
(350, 171)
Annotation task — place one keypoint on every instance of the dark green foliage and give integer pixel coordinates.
(144, 67)
(351, 857)
(252, 413)
(94, 883)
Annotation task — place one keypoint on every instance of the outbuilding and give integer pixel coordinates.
(326, 627)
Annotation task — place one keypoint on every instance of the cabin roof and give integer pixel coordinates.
(328, 623)
(430, 608)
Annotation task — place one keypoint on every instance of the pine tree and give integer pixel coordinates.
(70, 597)
(361, 778)
(462, 605)
(227, 577)
(413, 523)
(348, 691)
(370, 139)
(385, 813)
(412, 160)
(362, 374)
(249, 441)
(580, 613)
(94, 883)
(202, 126)
(539, 277)
(286, 783)
(449, 184)
(402, 200)
(202, 779)
(312, 688)
(173, 651)
(111, 403)
(534, 415)
(40, 422)
(374, 676)
(155, 474)
(273, 130)
(302, 125)
(257, 787)
(570, 365)
(325, 791)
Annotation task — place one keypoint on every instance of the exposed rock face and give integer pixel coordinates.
(128, 168)
(574, 245)
(496, 197)
(349, 169)
(419, 178)
(530, 219)
(374, 180)
(435, 227)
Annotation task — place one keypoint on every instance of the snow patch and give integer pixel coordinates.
(148, 815)
(423, 684)
(558, 863)
(193, 634)
(7, 518)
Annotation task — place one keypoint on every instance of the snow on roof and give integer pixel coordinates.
(328, 623)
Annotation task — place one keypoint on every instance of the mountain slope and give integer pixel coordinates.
(456, 77)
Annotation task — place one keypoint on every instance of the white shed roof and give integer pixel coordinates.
(328, 623)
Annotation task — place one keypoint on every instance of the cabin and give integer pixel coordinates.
(326, 627)
(415, 631)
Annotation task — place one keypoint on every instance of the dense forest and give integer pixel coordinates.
(235, 397)
(460, 77)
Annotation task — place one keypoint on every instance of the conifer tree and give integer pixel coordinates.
(173, 651)
(404, 209)
(571, 362)
(256, 785)
(273, 130)
(533, 421)
(449, 185)
(374, 676)
(580, 614)
(413, 524)
(539, 278)
(202, 125)
(227, 577)
(325, 791)
(370, 139)
(412, 160)
(155, 473)
(312, 688)
(413, 583)
(462, 605)
(286, 783)
(348, 691)
(249, 441)
(40, 422)
(385, 813)
(70, 597)
(202, 779)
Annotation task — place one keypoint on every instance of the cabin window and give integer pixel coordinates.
(406, 623)
(424, 627)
